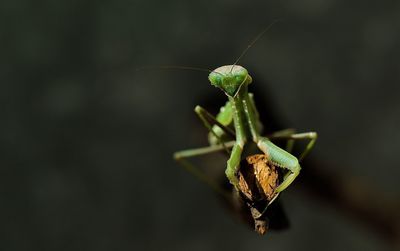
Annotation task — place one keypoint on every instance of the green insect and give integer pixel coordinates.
(238, 125)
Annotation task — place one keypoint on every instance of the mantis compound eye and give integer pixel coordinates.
(215, 79)
(239, 78)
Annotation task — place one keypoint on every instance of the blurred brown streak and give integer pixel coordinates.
(356, 198)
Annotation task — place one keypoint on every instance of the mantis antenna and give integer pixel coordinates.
(254, 41)
(177, 67)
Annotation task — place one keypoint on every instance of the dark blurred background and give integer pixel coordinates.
(87, 141)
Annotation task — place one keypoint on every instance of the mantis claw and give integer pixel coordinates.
(273, 199)
(267, 206)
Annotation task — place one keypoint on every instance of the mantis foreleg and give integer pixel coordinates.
(233, 164)
(281, 158)
(284, 159)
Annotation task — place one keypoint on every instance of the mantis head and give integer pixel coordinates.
(230, 78)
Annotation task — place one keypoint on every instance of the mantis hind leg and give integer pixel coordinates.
(210, 122)
(182, 156)
(281, 134)
(292, 137)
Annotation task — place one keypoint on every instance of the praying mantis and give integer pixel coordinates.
(238, 125)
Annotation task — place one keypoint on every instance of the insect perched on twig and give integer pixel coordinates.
(237, 126)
